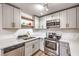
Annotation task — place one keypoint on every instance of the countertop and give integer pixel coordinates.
(5, 44)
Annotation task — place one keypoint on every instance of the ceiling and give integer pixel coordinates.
(30, 8)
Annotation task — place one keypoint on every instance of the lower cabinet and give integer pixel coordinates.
(28, 49)
(42, 44)
(31, 47)
(64, 49)
(16, 52)
(35, 46)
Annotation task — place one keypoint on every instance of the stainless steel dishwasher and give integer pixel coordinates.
(16, 50)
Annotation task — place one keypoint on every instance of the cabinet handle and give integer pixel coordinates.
(33, 46)
(13, 24)
(42, 26)
(67, 25)
(67, 51)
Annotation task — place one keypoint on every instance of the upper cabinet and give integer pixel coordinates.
(17, 18)
(55, 16)
(71, 18)
(63, 19)
(40, 23)
(0, 16)
(68, 18)
(49, 17)
(7, 21)
(43, 22)
(77, 17)
(36, 22)
(11, 17)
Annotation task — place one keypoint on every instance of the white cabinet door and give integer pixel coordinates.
(22, 51)
(42, 44)
(38, 44)
(35, 46)
(36, 22)
(7, 16)
(17, 18)
(71, 16)
(64, 49)
(28, 49)
(16, 52)
(63, 19)
(31, 47)
(77, 17)
(49, 17)
(56, 16)
(43, 23)
(0, 16)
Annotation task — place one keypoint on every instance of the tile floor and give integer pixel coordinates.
(40, 53)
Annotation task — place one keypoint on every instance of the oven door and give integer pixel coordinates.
(51, 47)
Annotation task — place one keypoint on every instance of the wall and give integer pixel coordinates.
(39, 33)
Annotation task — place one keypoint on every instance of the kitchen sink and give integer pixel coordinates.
(26, 38)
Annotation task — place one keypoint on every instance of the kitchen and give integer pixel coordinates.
(39, 29)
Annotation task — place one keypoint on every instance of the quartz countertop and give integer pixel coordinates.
(5, 44)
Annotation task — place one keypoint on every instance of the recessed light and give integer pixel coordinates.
(46, 9)
(41, 13)
(39, 7)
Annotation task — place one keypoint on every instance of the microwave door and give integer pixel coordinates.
(50, 24)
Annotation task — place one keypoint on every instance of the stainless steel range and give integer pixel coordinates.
(52, 44)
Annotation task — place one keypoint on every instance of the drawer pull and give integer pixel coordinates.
(13, 24)
(33, 46)
(67, 25)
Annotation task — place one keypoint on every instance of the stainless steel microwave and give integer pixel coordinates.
(52, 24)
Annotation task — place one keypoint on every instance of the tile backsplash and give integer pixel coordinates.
(67, 35)
(7, 34)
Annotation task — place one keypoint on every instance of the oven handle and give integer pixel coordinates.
(52, 41)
